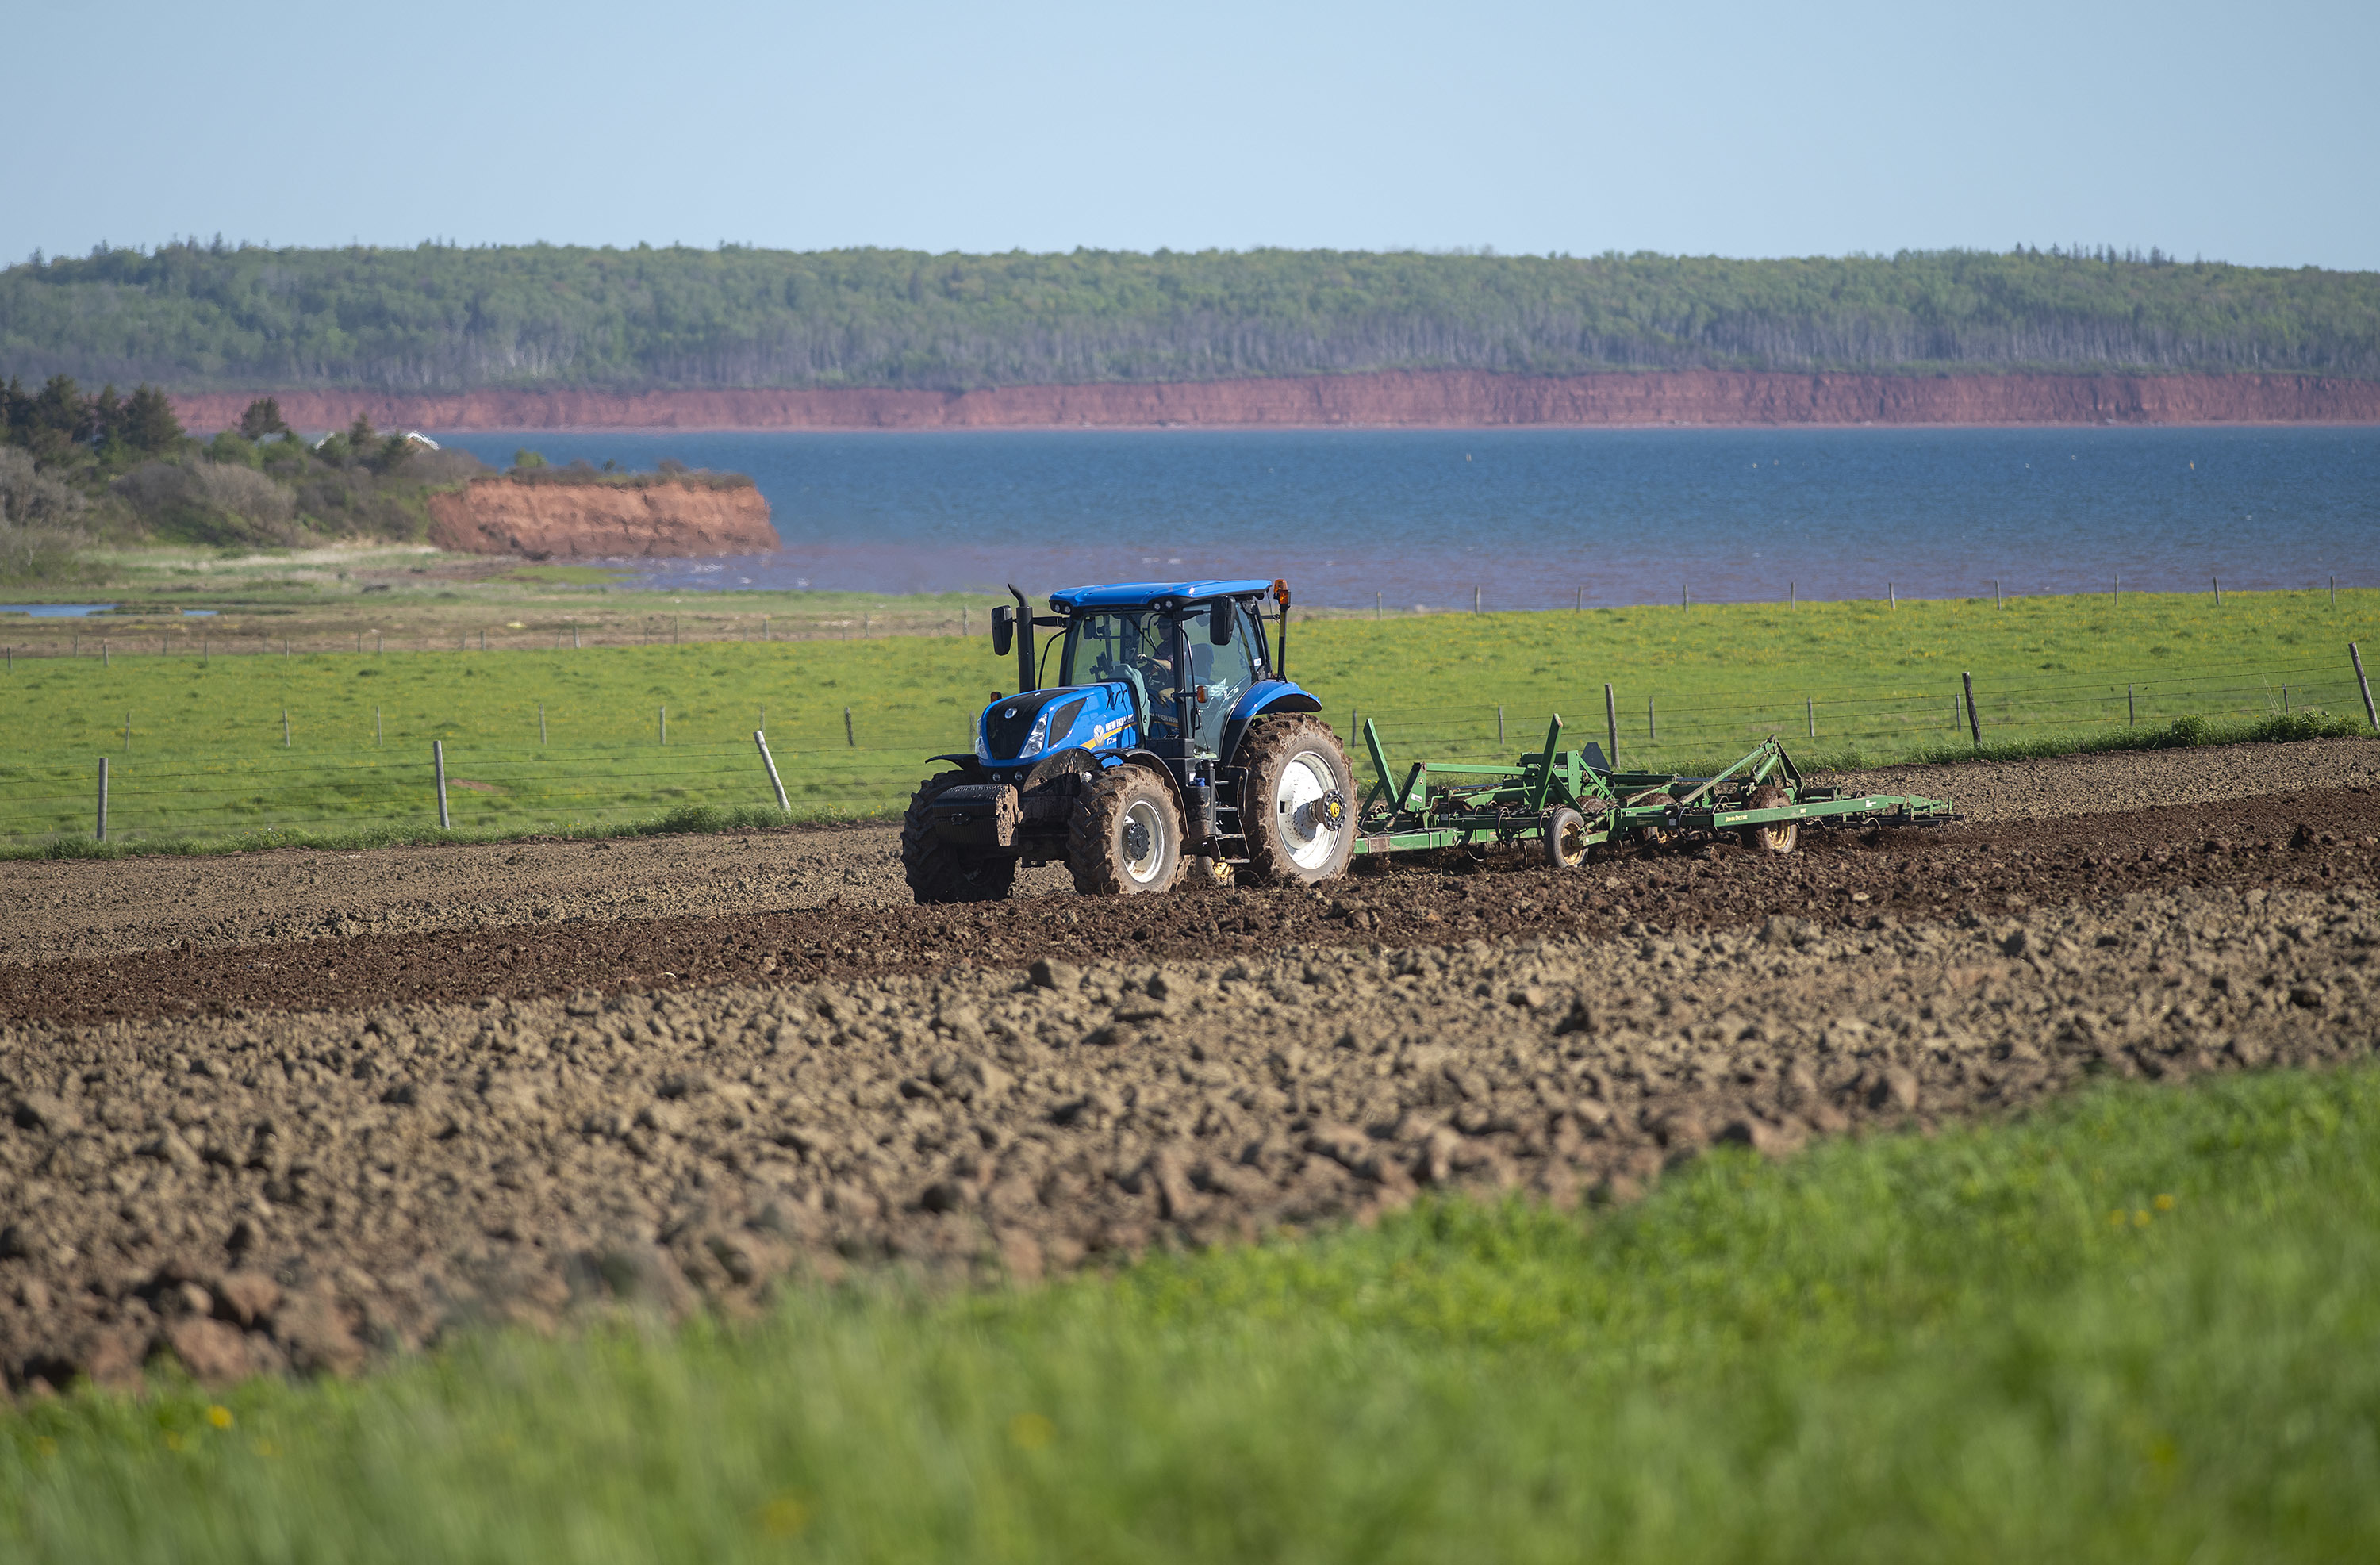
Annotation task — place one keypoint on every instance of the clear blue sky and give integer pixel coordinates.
(2239, 131)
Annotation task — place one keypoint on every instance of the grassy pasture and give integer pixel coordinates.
(205, 757)
(2137, 1325)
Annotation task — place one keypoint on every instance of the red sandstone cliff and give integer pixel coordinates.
(599, 521)
(1424, 398)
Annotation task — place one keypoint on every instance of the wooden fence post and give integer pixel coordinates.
(103, 798)
(438, 762)
(1611, 725)
(849, 741)
(1974, 724)
(2363, 684)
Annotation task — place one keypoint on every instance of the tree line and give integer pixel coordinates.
(442, 318)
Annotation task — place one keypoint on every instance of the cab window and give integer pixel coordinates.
(1134, 646)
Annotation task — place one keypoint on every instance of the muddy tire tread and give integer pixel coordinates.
(1266, 748)
(1099, 813)
(937, 872)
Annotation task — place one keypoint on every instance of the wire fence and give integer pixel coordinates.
(1649, 729)
(229, 791)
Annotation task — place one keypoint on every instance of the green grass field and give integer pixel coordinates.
(1855, 682)
(2141, 1325)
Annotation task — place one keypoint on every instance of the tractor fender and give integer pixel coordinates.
(1265, 696)
(1057, 765)
(1148, 761)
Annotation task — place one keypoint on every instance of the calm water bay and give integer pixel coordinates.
(1534, 518)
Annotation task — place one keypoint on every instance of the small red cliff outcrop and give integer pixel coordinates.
(580, 521)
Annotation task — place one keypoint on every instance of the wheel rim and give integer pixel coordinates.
(1570, 842)
(1298, 803)
(1143, 842)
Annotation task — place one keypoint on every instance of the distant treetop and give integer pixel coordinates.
(436, 318)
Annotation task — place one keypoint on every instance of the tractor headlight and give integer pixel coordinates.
(1035, 738)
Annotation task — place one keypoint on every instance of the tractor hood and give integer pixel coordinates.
(1022, 729)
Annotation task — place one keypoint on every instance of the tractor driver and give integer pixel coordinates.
(1153, 672)
(1138, 649)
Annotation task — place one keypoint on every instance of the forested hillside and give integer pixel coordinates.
(192, 317)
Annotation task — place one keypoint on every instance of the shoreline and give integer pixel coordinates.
(1388, 399)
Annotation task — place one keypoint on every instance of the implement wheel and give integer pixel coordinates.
(1655, 836)
(1296, 794)
(1775, 836)
(1126, 835)
(940, 872)
(1565, 838)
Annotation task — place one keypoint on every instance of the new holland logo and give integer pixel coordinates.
(1109, 730)
(1009, 713)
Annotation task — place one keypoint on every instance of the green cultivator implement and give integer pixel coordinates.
(1572, 801)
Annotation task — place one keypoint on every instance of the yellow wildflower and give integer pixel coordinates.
(784, 1516)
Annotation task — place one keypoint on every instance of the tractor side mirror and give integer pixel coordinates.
(1219, 625)
(1004, 630)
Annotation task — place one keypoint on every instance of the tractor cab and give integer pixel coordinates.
(1170, 692)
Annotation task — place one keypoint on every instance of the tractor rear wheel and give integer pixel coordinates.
(941, 872)
(1297, 802)
(1125, 837)
(1775, 836)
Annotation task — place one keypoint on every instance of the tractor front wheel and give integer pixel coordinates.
(1297, 802)
(1126, 835)
(940, 872)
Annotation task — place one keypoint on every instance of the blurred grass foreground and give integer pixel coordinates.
(2139, 1325)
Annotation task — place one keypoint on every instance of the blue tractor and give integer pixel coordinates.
(1169, 744)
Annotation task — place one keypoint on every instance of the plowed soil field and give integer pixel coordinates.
(292, 1109)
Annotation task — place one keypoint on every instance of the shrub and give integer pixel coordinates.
(210, 503)
(37, 538)
(233, 447)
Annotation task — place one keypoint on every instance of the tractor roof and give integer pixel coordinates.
(1141, 594)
